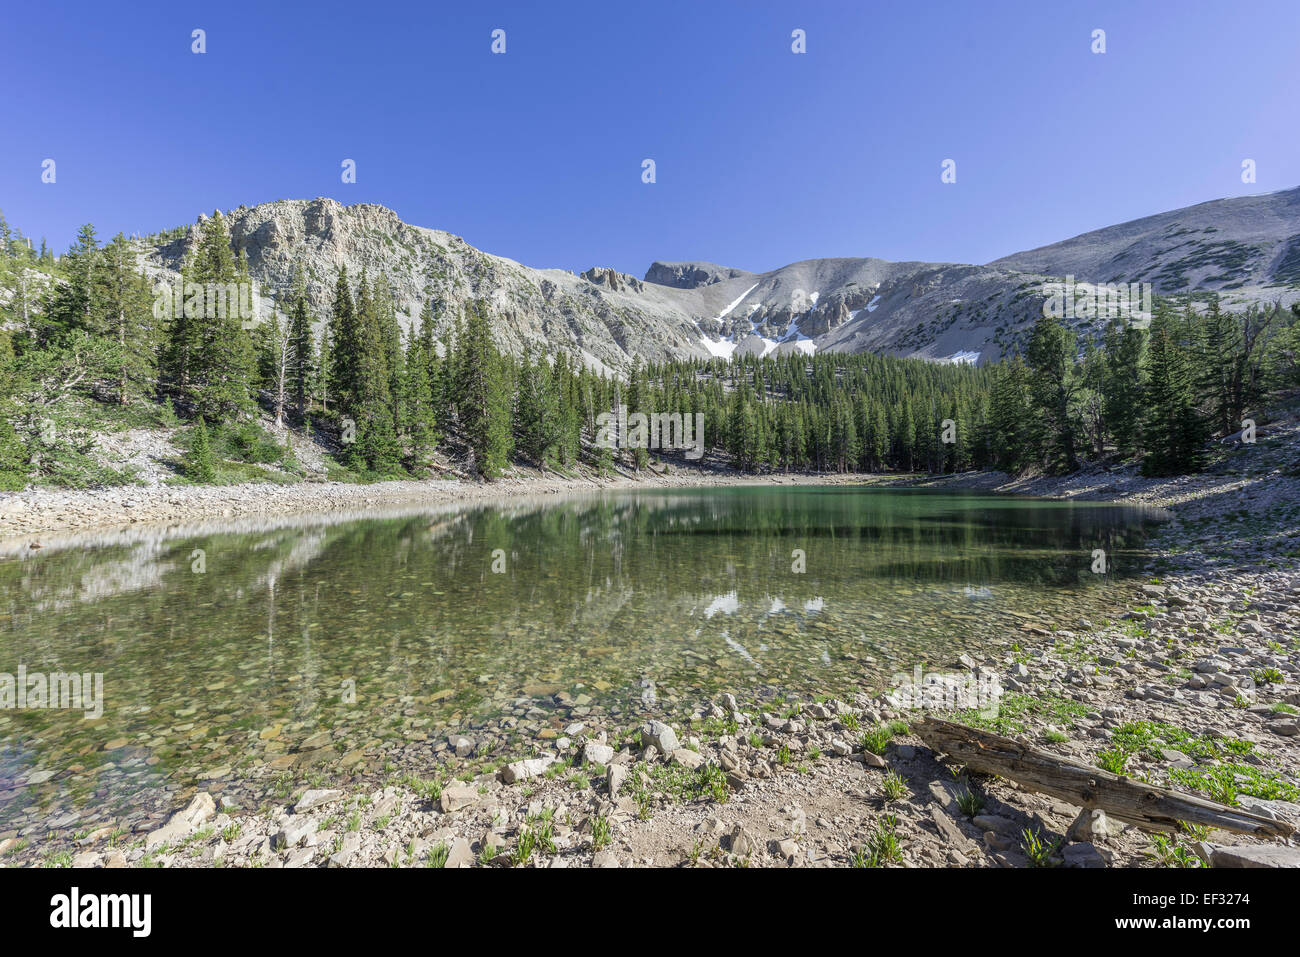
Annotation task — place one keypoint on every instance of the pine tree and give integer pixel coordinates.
(198, 460)
(128, 321)
(222, 364)
(1053, 383)
(1122, 389)
(1011, 418)
(302, 366)
(1174, 431)
(482, 402)
(419, 418)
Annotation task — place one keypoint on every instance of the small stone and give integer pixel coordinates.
(456, 796)
(522, 770)
(688, 758)
(616, 776)
(660, 735)
(460, 854)
(1083, 855)
(317, 797)
(742, 845)
(1250, 855)
(596, 753)
(1092, 825)
(293, 834)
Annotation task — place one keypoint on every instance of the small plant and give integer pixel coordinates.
(1112, 760)
(876, 739)
(783, 755)
(1200, 832)
(895, 786)
(437, 856)
(1039, 852)
(230, 832)
(601, 832)
(882, 846)
(971, 802)
(1269, 676)
(1167, 854)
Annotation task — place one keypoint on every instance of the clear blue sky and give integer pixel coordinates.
(764, 157)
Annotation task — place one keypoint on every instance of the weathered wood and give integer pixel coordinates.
(1147, 806)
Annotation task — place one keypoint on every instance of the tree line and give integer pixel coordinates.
(89, 331)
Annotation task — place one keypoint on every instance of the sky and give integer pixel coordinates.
(763, 156)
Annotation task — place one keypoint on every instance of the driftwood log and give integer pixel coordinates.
(1146, 806)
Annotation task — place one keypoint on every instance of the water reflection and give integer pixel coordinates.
(674, 595)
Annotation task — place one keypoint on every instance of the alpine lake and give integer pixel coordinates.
(237, 657)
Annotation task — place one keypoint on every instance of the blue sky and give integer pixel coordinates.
(763, 156)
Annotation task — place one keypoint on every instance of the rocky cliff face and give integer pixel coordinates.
(1247, 248)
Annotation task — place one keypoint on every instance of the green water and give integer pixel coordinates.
(624, 602)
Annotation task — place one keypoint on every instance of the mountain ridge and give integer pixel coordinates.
(1246, 248)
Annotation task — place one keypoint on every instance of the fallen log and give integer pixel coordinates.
(1147, 806)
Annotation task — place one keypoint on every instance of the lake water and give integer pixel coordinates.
(232, 654)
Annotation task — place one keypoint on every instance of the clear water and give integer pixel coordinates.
(623, 600)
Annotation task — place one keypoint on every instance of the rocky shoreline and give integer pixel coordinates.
(1192, 685)
(42, 512)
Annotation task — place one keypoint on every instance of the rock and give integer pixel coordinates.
(317, 798)
(660, 735)
(348, 848)
(947, 828)
(605, 858)
(293, 833)
(1083, 855)
(688, 758)
(616, 776)
(788, 849)
(1093, 825)
(1248, 855)
(742, 845)
(185, 822)
(998, 842)
(995, 822)
(596, 753)
(200, 810)
(462, 745)
(873, 760)
(1286, 811)
(456, 796)
(1287, 729)
(460, 855)
(522, 770)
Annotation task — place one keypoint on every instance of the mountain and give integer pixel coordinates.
(1247, 248)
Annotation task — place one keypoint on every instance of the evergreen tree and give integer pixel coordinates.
(1173, 430)
(198, 460)
(302, 366)
(481, 401)
(1053, 382)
